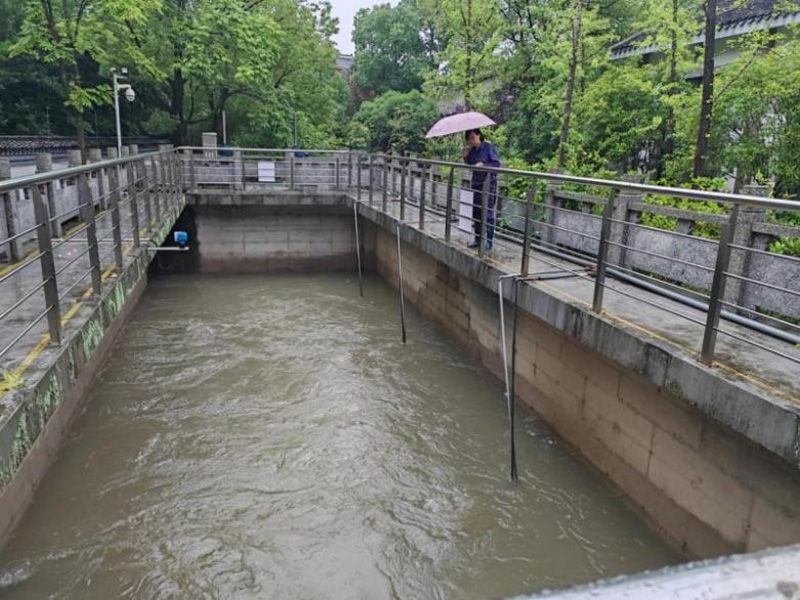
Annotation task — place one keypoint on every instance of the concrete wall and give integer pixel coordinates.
(257, 238)
(708, 489)
(35, 420)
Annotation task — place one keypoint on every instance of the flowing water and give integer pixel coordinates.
(270, 437)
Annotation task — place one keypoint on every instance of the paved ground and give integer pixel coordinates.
(74, 286)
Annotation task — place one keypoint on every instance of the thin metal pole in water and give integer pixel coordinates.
(400, 281)
(358, 250)
(512, 446)
(509, 397)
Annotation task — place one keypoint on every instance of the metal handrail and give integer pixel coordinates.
(700, 195)
(8, 185)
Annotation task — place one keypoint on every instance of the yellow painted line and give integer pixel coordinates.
(21, 262)
(65, 319)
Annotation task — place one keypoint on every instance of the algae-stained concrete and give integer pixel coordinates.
(36, 419)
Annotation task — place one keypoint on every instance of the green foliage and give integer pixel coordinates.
(390, 53)
(664, 222)
(395, 122)
(787, 246)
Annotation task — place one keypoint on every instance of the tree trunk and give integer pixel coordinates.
(80, 134)
(668, 138)
(577, 25)
(177, 95)
(469, 78)
(707, 106)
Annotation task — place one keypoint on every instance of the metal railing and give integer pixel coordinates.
(78, 225)
(510, 208)
(443, 191)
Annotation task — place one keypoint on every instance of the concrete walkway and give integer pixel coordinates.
(74, 286)
(635, 309)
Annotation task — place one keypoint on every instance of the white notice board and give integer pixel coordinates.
(266, 171)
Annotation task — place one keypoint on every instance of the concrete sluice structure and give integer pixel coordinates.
(708, 454)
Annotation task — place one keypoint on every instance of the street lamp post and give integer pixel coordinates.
(130, 96)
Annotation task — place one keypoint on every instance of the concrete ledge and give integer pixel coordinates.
(768, 574)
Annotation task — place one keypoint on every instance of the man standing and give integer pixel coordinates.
(481, 153)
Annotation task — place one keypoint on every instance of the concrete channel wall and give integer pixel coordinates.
(255, 239)
(35, 421)
(708, 489)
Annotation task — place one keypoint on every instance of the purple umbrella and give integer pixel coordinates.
(458, 123)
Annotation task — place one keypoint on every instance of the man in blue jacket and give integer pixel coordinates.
(481, 153)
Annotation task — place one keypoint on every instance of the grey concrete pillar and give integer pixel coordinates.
(736, 290)
(95, 155)
(11, 251)
(164, 147)
(44, 162)
(112, 153)
(550, 204)
(126, 151)
(619, 232)
(74, 158)
(134, 149)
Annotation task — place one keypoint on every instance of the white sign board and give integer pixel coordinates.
(465, 211)
(266, 171)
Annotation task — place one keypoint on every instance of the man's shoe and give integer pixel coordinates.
(474, 244)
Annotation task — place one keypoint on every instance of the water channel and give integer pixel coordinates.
(270, 437)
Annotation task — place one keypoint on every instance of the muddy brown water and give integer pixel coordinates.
(270, 437)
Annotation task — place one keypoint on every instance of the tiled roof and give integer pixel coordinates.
(733, 18)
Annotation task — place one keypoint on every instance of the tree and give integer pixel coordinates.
(394, 122)
(707, 99)
(468, 64)
(572, 73)
(390, 51)
(81, 37)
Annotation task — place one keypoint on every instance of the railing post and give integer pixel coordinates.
(337, 171)
(291, 171)
(718, 288)
(48, 266)
(101, 189)
(175, 171)
(423, 176)
(116, 221)
(530, 198)
(139, 166)
(156, 189)
(448, 210)
(87, 215)
(403, 189)
(349, 169)
(192, 170)
(369, 179)
(602, 253)
(9, 208)
(484, 217)
(384, 187)
(358, 175)
(133, 200)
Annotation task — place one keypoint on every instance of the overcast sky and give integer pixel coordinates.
(346, 10)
